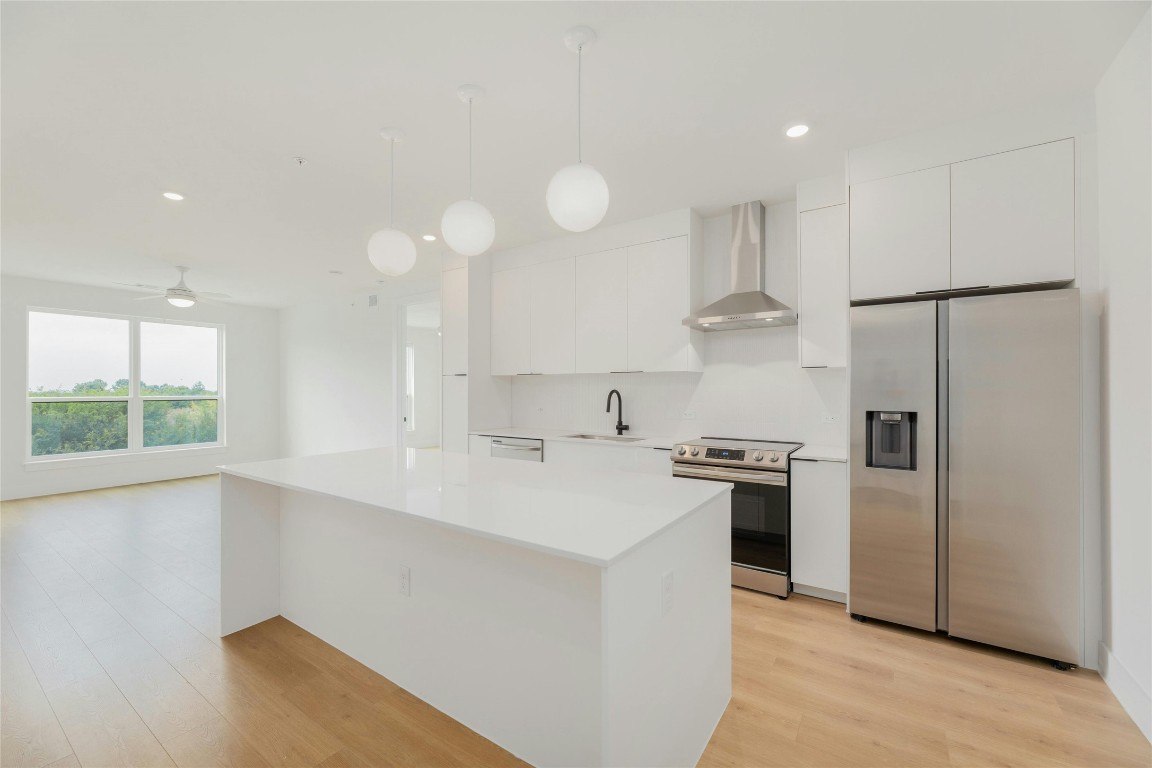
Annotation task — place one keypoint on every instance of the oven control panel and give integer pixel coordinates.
(771, 456)
(728, 454)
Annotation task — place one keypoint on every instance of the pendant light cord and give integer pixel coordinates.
(469, 149)
(391, 183)
(579, 117)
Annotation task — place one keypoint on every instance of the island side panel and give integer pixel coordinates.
(503, 639)
(249, 553)
(668, 669)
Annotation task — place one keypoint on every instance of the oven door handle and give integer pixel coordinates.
(730, 475)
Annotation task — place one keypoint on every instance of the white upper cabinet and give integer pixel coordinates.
(602, 311)
(511, 322)
(1013, 217)
(454, 322)
(553, 318)
(658, 301)
(899, 235)
(824, 287)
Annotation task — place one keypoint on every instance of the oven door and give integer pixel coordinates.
(759, 514)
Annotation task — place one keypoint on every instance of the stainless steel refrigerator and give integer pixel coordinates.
(965, 469)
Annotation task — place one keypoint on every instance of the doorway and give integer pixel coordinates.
(421, 375)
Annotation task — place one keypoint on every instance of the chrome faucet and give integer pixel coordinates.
(620, 425)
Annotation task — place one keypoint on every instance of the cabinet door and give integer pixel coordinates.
(1013, 217)
(454, 320)
(824, 287)
(479, 445)
(553, 319)
(820, 524)
(658, 299)
(454, 414)
(899, 235)
(602, 312)
(511, 321)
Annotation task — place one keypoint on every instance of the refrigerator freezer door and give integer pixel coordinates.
(892, 559)
(1014, 479)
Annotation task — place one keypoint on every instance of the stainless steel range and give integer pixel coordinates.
(758, 470)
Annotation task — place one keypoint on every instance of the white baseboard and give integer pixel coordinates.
(820, 592)
(1127, 689)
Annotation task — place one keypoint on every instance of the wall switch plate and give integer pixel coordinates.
(688, 415)
(831, 418)
(405, 581)
(666, 593)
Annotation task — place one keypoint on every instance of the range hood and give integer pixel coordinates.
(747, 306)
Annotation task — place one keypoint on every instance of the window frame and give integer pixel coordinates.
(135, 399)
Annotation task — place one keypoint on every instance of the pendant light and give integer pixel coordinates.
(467, 226)
(578, 195)
(390, 250)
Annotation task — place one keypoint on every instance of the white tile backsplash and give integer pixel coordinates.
(752, 387)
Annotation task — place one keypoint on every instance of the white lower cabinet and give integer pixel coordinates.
(820, 525)
(654, 461)
(588, 456)
(479, 445)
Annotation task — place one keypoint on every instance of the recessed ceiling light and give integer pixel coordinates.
(429, 238)
(796, 131)
(173, 195)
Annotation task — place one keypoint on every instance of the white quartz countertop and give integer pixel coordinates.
(583, 514)
(822, 453)
(564, 435)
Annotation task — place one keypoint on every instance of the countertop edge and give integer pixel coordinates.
(566, 554)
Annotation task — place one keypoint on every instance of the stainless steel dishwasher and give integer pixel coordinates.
(519, 448)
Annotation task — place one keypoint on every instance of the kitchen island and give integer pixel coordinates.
(574, 617)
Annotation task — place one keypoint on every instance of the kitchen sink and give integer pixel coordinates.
(613, 438)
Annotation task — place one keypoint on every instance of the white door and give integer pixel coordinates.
(602, 311)
(899, 235)
(511, 322)
(553, 320)
(454, 323)
(1013, 217)
(820, 524)
(658, 300)
(824, 287)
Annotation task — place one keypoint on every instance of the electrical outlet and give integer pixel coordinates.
(666, 593)
(405, 581)
(831, 418)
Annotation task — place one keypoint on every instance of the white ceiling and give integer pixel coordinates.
(106, 105)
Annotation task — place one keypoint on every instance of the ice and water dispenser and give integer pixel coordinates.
(891, 439)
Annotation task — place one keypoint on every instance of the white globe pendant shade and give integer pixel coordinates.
(468, 228)
(577, 197)
(391, 252)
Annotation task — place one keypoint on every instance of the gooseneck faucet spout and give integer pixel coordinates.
(620, 425)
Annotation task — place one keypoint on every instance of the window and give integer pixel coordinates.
(410, 388)
(100, 384)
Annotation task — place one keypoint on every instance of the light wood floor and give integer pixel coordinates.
(110, 657)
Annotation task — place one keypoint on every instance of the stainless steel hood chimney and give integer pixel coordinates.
(747, 306)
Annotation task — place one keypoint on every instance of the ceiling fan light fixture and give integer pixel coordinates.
(181, 301)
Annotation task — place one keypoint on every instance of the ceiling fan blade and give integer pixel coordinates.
(211, 295)
(143, 285)
(146, 298)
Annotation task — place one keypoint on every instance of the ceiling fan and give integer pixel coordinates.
(179, 295)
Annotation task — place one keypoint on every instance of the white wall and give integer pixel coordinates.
(337, 372)
(752, 385)
(1124, 125)
(252, 389)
